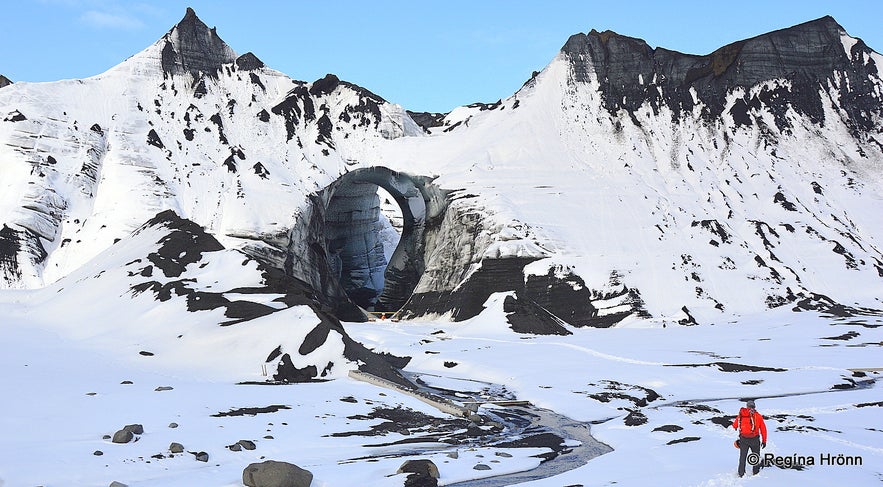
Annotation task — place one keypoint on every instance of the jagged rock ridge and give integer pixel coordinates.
(807, 56)
(192, 47)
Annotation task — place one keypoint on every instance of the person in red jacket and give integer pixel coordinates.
(752, 434)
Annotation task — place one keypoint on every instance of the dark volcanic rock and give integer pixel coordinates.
(15, 116)
(192, 47)
(668, 428)
(325, 85)
(249, 62)
(4, 81)
(525, 316)
(427, 120)
(276, 474)
(635, 418)
(184, 244)
(10, 244)
(251, 411)
(123, 436)
(806, 55)
(423, 473)
(540, 305)
(685, 439)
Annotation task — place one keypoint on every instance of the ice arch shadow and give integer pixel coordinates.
(353, 247)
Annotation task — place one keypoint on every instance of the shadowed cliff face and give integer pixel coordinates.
(630, 73)
(192, 47)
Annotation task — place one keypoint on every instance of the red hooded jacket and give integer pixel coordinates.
(743, 424)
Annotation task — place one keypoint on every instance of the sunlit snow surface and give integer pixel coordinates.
(680, 210)
(63, 391)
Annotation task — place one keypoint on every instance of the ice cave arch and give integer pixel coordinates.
(353, 225)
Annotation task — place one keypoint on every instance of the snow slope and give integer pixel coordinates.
(721, 229)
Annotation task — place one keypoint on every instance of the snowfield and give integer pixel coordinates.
(610, 263)
(659, 394)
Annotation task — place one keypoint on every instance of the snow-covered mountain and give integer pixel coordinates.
(184, 229)
(620, 182)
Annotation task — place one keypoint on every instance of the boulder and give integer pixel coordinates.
(423, 473)
(247, 444)
(422, 467)
(122, 436)
(176, 448)
(134, 428)
(276, 474)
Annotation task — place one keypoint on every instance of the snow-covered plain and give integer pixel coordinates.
(65, 387)
(727, 223)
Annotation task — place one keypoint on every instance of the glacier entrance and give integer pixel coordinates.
(358, 240)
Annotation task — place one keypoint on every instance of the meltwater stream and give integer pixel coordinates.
(522, 423)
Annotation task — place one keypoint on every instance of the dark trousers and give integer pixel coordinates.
(744, 445)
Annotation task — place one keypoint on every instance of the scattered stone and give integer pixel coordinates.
(146, 353)
(98, 453)
(117, 484)
(454, 454)
(349, 399)
(235, 447)
(503, 454)
(91, 393)
(251, 411)
(163, 388)
(686, 439)
(173, 425)
(668, 428)
(425, 467)
(276, 474)
(122, 436)
(106, 437)
(481, 466)
(201, 456)
(176, 448)
(635, 418)
(134, 428)
(126, 382)
(268, 437)
(247, 444)
(423, 473)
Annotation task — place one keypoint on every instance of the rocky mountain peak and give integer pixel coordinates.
(804, 57)
(4, 81)
(191, 46)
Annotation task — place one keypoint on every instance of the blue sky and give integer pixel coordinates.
(424, 55)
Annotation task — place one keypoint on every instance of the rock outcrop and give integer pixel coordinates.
(806, 57)
(272, 473)
(192, 47)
